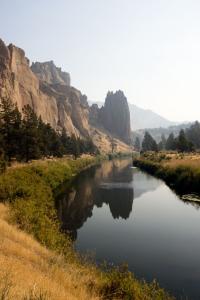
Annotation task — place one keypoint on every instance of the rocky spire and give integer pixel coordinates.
(115, 115)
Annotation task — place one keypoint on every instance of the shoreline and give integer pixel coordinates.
(29, 192)
(181, 176)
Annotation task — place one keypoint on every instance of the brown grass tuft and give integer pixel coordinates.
(31, 272)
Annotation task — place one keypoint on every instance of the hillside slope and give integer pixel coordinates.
(145, 118)
(29, 269)
(156, 133)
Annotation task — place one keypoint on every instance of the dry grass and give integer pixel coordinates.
(103, 142)
(180, 171)
(191, 160)
(30, 271)
(174, 159)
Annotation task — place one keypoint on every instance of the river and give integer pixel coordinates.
(121, 214)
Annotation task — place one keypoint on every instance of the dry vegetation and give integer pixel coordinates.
(29, 269)
(179, 170)
(192, 160)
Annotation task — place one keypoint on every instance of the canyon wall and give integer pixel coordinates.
(47, 90)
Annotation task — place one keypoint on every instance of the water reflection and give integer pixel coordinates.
(112, 183)
(119, 198)
(125, 215)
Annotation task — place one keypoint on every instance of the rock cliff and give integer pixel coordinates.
(115, 115)
(49, 73)
(47, 90)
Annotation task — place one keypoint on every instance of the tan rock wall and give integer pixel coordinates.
(49, 93)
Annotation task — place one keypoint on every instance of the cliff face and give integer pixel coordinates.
(47, 90)
(49, 73)
(115, 115)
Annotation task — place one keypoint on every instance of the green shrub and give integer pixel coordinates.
(30, 191)
(119, 283)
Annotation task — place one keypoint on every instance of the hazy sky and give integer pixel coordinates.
(149, 49)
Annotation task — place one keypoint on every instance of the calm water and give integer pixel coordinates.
(125, 215)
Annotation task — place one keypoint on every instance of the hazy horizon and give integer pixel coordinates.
(148, 49)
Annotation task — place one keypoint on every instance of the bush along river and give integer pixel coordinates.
(124, 215)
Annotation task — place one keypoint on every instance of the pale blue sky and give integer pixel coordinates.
(149, 49)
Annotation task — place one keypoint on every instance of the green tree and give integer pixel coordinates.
(87, 146)
(75, 146)
(171, 142)
(66, 142)
(183, 145)
(10, 128)
(149, 144)
(31, 137)
(193, 134)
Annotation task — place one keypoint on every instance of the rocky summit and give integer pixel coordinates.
(115, 115)
(49, 73)
(47, 89)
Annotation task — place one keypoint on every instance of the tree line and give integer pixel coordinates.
(24, 136)
(188, 140)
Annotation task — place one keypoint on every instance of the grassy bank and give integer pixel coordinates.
(180, 171)
(56, 273)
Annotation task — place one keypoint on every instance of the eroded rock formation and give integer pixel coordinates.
(115, 115)
(49, 73)
(47, 90)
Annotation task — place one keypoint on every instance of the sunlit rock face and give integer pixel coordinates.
(49, 73)
(115, 115)
(47, 90)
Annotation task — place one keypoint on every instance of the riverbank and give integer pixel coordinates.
(29, 195)
(179, 171)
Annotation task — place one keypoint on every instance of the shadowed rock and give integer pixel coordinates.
(115, 115)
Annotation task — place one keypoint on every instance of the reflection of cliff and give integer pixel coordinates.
(116, 190)
(76, 206)
(113, 183)
(119, 199)
(110, 169)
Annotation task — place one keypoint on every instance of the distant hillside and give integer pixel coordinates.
(144, 118)
(157, 132)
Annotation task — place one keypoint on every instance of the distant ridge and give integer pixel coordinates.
(145, 118)
(156, 133)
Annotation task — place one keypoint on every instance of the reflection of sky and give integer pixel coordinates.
(160, 239)
(143, 183)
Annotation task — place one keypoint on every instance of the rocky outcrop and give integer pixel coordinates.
(18, 83)
(49, 73)
(55, 101)
(115, 115)
(47, 90)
